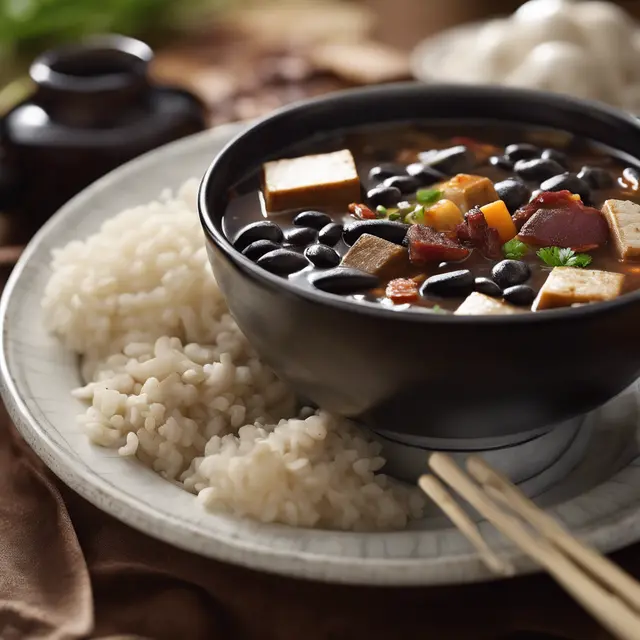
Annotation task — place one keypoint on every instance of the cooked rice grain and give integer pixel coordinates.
(172, 381)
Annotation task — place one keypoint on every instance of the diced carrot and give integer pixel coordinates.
(497, 216)
(402, 290)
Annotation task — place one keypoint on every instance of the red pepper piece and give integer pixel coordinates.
(361, 211)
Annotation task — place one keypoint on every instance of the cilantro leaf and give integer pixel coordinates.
(579, 260)
(565, 254)
(557, 257)
(550, 256)
(428, 196)
(514, 249)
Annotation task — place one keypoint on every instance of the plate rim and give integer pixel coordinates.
(417, 571)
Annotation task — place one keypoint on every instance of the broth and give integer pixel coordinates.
(487, 144)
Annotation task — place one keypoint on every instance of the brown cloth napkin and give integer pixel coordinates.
(69, 571)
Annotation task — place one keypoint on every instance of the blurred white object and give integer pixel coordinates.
(587, 49)
(565, 67)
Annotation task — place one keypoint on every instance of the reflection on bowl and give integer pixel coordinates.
(412, 374)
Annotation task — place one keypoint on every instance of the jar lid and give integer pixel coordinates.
(93, 82)
(100, 64)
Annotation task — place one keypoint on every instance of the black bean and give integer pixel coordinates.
(387, 229)
(344, 280)
(558, 156)
(263, 230)
(513, 193)
(258, 248)
(426, 176)
(453, 283)
(322, 256)
(387, 170)
(521, 295)
(508, 273)
(488, 287)
(570, 182)
(450, 161)
(596, 177)
(300, 236)
(330, 234)
(538, 169)
(406, 184)
(501, 162)
(384, 196)
(521, 151)
(631, 175)
(313, 219)
(282, 261)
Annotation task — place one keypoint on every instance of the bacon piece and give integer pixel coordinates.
(475, 232)
(557, 219)
(492, 244)
(428, 245)
(546, 200)
(402, 290)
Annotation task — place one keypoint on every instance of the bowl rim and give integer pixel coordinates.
(341, 303)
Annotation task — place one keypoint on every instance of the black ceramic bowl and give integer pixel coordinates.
(409, 374)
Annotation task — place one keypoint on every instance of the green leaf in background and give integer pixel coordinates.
(13, 93)
(28, 25)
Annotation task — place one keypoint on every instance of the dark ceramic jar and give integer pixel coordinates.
(93, 109)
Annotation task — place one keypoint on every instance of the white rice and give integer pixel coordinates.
(172, 381)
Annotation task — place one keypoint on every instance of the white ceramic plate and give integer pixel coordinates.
(600, 497)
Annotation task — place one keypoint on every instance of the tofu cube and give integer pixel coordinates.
(378, 257)
(328, 180)
(567, 286)
(478, 304)
(623, 218)
(468, 191)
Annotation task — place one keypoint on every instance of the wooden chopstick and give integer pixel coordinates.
(601, 567)
(611, 611)
(437, 492)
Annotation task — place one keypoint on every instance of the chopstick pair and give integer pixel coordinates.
(606, 591)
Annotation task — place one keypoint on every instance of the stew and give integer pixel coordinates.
(468, 219)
